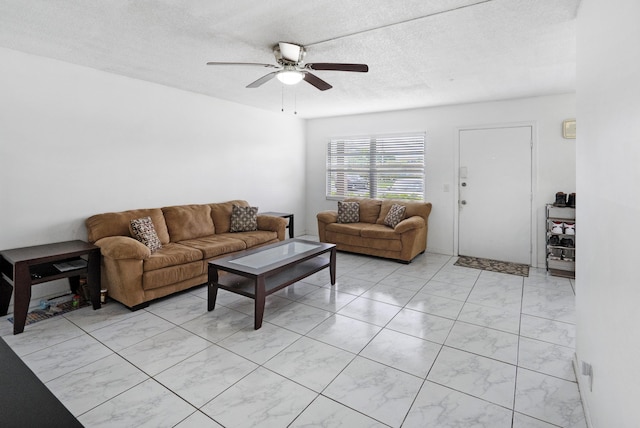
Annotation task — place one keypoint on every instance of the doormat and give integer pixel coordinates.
(42, 314)
(493, 265)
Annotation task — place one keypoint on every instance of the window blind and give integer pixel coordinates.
(376, 167)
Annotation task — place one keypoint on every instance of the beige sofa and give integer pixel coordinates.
(371, 236)
(191, 236)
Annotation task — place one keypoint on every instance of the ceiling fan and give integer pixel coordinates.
(291, 68)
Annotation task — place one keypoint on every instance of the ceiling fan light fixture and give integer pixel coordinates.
(290, 77)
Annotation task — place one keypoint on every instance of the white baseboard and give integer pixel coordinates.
(439, 251)
(583, 385)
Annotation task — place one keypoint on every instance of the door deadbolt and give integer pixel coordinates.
(464, 184)
(463, 202)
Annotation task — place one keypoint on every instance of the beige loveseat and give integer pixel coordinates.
(371, 236)
(190, 235)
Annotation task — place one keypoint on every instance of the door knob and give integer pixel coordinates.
(463, 202)
(464, 184)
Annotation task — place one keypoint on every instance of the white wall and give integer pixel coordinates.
(608, 176)
(76, 142)
(555, 155)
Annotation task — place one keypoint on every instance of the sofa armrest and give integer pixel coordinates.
(325, 218)
(328, 216)
(123, 247)
(410, 223)
(274, 224)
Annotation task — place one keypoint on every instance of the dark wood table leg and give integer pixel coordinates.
(212, 288)
(6, 290)
(332, 265)
(93, 278)
(22, 296)
(291, 226)
(259, 303)
(74, 284)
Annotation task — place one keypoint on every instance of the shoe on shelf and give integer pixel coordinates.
(569, 228)
(554, 240)
(566, 242)
(569, 254)
(571, 200)
(555, 254)
(557, 227)
(561, 199)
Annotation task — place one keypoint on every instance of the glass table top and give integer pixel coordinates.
(273, 255)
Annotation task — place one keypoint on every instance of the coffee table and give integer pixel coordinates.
(262, 271)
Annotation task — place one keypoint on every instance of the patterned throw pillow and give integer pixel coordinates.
(395, 215)
(243, 219)
(348, 212)
(143, 230)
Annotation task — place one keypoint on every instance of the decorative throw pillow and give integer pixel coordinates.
(348, 212)
(243, 219)
(143, 230)
(395, 215)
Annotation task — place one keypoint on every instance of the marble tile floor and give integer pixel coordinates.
(427, 344)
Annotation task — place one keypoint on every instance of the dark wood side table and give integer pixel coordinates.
(283, 215)
(25, 267)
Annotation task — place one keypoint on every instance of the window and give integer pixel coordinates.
(376, 167)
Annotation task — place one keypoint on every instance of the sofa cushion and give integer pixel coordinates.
(188, 221)
(221, 214)
(216, 245)
(395, 215)
(255, 238)
(348, 212)
(346, 228)
(355, 242)
(369, 208)
(413, 208)
(117, 224)
(243, 219)
(421, 209)
(143, 230)
(378, 231)
(172, 275)
(171, 254)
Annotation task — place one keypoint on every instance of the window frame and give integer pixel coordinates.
(380, 160)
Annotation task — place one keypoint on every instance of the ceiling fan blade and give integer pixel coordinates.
(361, 68)
(316, 81)
(262, 80)
(243, 63)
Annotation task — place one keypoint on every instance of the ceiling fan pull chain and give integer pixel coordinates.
(282, 99)
(295, 101)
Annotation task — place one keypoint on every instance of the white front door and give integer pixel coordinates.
(494, 215)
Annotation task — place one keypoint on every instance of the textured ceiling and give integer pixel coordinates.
(420, 53)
